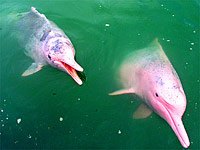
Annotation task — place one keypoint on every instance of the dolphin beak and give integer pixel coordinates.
(174, 120)
(177, 125)
(70, 67)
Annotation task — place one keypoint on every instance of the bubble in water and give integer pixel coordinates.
(119, 132)
(61, 119)
(19, 120)
(29, 136)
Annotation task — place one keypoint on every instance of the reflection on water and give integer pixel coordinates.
(48, 110)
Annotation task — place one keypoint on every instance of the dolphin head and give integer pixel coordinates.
(60, 53)
(168, 100)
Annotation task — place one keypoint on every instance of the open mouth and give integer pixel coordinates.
(72, 72)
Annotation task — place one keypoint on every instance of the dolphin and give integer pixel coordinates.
(46, 44)
(149, 74)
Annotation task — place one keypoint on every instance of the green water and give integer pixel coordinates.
(48, 110)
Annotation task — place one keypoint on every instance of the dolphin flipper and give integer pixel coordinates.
(142, 112)
(35, 67)
(123, 91)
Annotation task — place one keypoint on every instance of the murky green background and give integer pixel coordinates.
(48, 110)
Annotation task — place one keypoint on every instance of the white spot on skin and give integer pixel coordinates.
(19, 120)
(162, 5)
(192, 43)
(168, 40)
(1, 110)
(29, 136)
(79, 99)
(61, 119)
(190, 48)
(138, 34)
(107, 25)
(194, 31)
(173, 15)
(119, 132)
(2, 125)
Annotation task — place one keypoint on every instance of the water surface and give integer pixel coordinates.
(48, 110)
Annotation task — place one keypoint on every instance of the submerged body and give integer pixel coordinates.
(149, 74)
(46, 44)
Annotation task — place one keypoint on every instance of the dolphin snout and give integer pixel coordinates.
(177, 125)
(71, 67)
(174, 119)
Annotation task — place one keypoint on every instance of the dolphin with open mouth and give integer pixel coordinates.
(46, 44)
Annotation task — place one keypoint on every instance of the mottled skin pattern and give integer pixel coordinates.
(149, 74)
(45, 43)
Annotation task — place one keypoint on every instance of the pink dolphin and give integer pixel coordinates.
(46, 44)
(149, 74)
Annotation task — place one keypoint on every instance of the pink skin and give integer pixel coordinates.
(62, 56)
(48, 44)
(167, 99)
(149, 74)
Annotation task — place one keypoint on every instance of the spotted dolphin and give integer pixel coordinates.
(46, 44)
(149, 74)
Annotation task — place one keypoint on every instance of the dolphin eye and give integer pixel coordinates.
(49, 57)
(156, 94)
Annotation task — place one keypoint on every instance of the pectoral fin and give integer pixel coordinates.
(123, 91)
(142, 112)
(35, 67)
